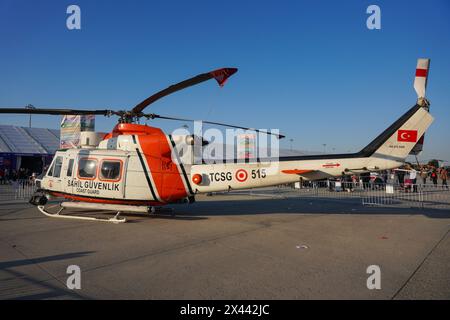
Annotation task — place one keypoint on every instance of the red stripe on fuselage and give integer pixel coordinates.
(157, 154)
(165, 173)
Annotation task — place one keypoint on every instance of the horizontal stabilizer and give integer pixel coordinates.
(419, 146)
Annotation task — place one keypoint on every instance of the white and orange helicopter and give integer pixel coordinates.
(136, 168)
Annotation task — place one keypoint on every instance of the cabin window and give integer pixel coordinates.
(87, 168)
(70, 168)
(110, 170)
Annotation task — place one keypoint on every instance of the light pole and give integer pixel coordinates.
(324, 148)
(30, 107)
(291, 140)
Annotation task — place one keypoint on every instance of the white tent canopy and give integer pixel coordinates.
(28, 140)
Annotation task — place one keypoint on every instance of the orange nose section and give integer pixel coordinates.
(196, 178)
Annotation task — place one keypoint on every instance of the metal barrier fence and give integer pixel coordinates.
(418, 195)
(17, 191)
(368, 194)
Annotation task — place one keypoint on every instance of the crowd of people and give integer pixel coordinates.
(408, 178)
(426, 174)
(21, 176)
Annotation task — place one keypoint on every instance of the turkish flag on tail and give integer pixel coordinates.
(407, 135)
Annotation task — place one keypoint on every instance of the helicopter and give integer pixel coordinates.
(137, 168)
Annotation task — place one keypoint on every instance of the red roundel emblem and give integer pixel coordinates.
(241, 175)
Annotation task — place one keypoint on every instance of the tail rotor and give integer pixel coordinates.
(420, 81)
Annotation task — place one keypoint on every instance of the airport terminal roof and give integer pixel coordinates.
(28, 140)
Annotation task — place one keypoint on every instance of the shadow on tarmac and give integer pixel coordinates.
(43, 289)
(220, 206)
(298, 206)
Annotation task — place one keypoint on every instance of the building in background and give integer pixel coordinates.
(71, 128)
(28, 148)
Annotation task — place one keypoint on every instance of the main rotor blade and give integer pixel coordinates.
(221, 76)
(56, 111)
(156, 116)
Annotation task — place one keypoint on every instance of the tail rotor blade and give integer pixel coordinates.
(420, 81)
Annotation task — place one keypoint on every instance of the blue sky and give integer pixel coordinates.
(310, 68)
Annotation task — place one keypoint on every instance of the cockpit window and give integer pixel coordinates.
(50, 169)
(110, 170)
(87, 168)
(55, 168)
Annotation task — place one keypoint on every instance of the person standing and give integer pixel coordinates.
(365, 178)
(401, 177)
(434, 176)
(444, 176)
(343, 181)
(424, 175)
(385, 176)
(349, 182)
(413, 178)
(392, 176)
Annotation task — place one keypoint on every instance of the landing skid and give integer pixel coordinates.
(101, 207)
(116, 219)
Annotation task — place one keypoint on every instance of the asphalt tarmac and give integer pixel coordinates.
(230, 247)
